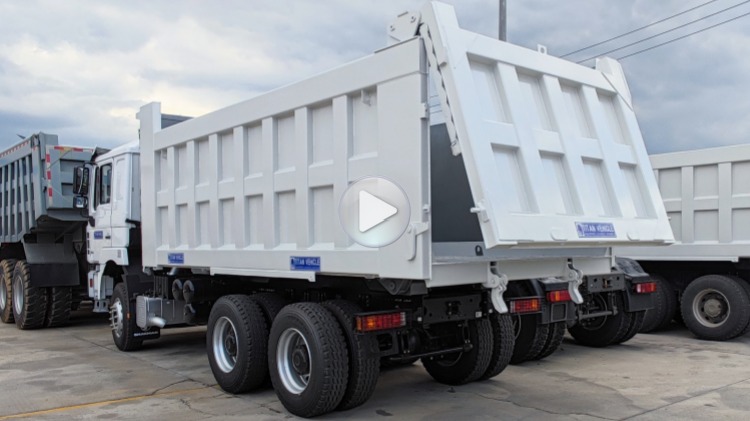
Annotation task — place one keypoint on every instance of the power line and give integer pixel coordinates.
(664, 32)
(637, 29)
(684, 36)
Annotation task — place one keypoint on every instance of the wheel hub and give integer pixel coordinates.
(3, 294)
(300, 361)
(711, 308)
(115, 313)
(224, 344)
(293, 361)
(18, 295)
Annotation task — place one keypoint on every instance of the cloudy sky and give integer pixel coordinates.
(81, 69)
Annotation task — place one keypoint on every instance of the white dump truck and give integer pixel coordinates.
(704, 277)
(329, 225)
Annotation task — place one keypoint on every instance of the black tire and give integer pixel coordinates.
(122, 314)
(665, 306)
(306, 341)
(58, 306)
(605, 330)
(554, 339)
(364, 360)
(237, 343)
(530, 338)
(270, 303)
(464, 367)
(503, 342)
(635, 324)
(745, 284)
(716, 307)
(6, 290)
(30, 314)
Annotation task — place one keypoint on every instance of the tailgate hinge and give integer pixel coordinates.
(497, 283)
(415, 230)
(574, 277)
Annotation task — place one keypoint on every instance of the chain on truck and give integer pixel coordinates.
(514, 187)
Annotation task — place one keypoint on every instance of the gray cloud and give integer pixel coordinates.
(84, 68)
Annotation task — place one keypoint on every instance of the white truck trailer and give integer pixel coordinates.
(704, 276)
(320, 227)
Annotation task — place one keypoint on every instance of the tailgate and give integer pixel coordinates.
(552, 150)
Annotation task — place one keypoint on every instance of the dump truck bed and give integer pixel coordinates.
(706, 194)
(551, 159)
(36, 186)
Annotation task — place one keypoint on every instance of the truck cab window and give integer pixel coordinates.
(104, 185)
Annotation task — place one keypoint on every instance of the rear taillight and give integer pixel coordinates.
(526, 305)
(383, 321)
(558, 296)
(645, 288)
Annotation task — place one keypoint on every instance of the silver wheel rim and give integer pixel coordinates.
(18, 294)
(293, 361)
(3, 294)
(115, 311)
(224, 344)
(711, 308)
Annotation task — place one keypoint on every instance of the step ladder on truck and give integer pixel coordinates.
(250, 217)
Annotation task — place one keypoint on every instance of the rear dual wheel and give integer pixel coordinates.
(665, 306)
(535, 341)
(716, 307)
(6, 290)
(29, 302)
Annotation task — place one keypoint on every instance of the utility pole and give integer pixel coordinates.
(503, 28)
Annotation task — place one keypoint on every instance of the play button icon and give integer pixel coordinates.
(374, 211)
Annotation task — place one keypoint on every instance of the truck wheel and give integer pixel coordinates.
(308, 360)
(604, 330)
(530, 338)
(122, 317)
(6, 290)
(29, 303)
(503, 342)
(745, 284)
(237, 343)
(270, 303)
(634, 325)
(58, 306)
(364, 361)
(554, 339)
(464, 367)
(665, 306)
(716, 307)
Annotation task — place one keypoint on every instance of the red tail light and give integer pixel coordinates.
(381, 321)
(526, 305)
(558, 296)
(645, 288)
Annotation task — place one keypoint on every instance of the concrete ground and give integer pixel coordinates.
(76, 372)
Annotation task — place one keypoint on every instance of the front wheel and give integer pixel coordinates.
(122, 316)
(308, 359)
(716, 307)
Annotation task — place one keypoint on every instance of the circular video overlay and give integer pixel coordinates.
(374, 211)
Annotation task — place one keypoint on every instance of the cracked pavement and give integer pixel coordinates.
(75, 372)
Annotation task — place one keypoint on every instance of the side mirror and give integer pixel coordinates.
(80, 202)
(81, 182)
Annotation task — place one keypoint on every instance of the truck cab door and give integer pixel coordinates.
(100, 232)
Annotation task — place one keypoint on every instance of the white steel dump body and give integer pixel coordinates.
(36, 186)
(706, 194)
(552, 158)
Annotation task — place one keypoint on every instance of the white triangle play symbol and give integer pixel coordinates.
(373, 211)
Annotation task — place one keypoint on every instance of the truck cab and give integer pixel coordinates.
(112, 238)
